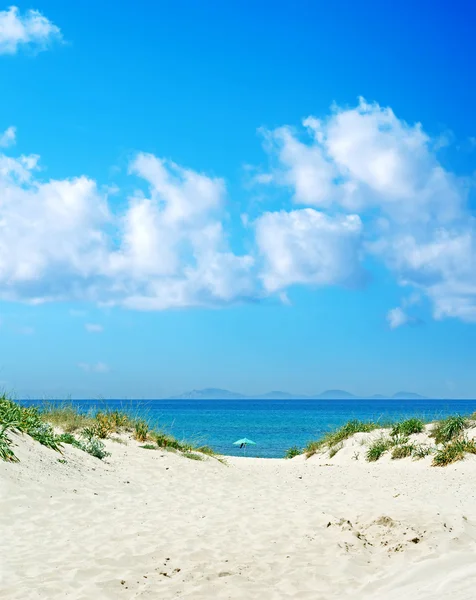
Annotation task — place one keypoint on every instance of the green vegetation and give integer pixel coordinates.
(335, 449)
(148, 447)
(16, 418)
(403, 451)
(454, 451)
(65, 417)
(84, 431)
(422, 450)
(449, 429)
(449, 432)
(192, 456)
(408, 427)
(334, 438)
(377, 448)
(292, 452)
(141, 431)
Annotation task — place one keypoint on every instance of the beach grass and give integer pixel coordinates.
(333, 439)
(403, 451)
(53, 425)
(378, 448)
(292, 452)
(454, 451)
(448, 432)
(449, 429)
(408, 427)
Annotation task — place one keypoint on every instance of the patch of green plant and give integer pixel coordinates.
(408, 427)
(164, 440)
(6, 453)
(92, 445)
(398, 440)
(292, 452)
(403, 451)
(192, 456)
(46, 436)
(333, 450)
(206, 450)
(377, 449)
(65, 416)
(334, 438)
(449, 429)
(67, 438)
(422, 450)
(453, 451)
(27, 420)
(148, 447)
(141, 431)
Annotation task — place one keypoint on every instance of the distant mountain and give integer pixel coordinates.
(407, 396)
(219, 394)
(209, 394)
(277, 395)
(335, 395)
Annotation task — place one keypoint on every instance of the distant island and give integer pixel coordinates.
(221, 394)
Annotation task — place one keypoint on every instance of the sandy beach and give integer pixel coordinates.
(153, 524)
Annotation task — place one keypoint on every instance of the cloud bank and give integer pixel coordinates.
(362, 186)
(29, 30)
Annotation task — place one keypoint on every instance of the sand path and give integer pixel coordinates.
(150, 524)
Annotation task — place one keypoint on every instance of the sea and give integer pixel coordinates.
(274, 425)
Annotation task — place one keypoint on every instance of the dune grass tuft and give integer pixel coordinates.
(335, 438)
(27, 420)
(454, 451)
(449, 429)
(408, 427)
(141, 431)
(403, 451)
(421, 451)
(84, 431)
(333, 450)
(192, 455)
(65, 416)
(292, 452)
(378, 448)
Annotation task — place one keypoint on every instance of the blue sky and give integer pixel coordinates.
(252, 196)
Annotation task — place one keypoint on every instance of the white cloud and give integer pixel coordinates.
(362, 184)
(98, 367)
(397, 317)
(59, 240)
(30, 29)
(308, 247)
(365, 158)
(8, 137)
(94, 328)
(415, 213)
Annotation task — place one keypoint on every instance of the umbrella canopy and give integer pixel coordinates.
(244, 441)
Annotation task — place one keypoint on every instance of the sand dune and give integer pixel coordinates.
(152, 524)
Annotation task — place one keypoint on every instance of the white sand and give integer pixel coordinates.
(149, 524)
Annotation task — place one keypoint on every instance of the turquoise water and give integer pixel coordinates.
(275, 425)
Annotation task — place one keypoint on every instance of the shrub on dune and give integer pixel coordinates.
(408, 427)
(454, 451)
(377, 448)
(403, 451)
(292, 452)
(449, 429)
